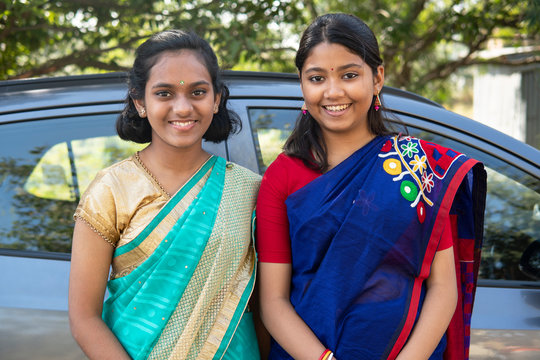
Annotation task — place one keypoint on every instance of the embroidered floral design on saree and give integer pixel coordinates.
(416, 164)
(366, 201)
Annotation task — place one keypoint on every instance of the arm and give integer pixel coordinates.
(263, 337)
(274, 274)
(90, 261)
(279, 316)
(439, 307)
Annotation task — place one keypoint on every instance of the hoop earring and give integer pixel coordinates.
(304, 109)
(377, 103)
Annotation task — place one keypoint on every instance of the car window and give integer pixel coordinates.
(270, 127)
(44, 167)
(512, 217)
(65, 170)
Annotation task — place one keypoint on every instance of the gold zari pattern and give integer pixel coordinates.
(210, 299)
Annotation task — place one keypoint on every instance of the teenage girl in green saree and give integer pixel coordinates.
(173, 221)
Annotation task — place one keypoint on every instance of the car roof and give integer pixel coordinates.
(31, 94)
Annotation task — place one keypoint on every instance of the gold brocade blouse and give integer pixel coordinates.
(124, 198)
(121, 201)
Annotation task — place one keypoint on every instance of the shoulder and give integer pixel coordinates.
(285, 164)
(112, 175)
(440, 160)
(287, 174)
(101, 205)
(243, 178)
(412, 145)
(242, 173)
(116, 170)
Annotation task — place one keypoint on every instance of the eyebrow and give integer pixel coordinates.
(169, 86)
(343, 67)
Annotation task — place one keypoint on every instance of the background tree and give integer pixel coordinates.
(39, 37)
(423, 41)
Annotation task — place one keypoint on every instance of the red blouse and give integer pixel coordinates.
(282, 178)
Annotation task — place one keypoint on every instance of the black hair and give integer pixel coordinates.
(130, 126)
(306, 141)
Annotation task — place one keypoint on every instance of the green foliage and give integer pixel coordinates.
(49, 38)
(423, 42)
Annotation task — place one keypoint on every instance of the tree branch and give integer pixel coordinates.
(81, 59)
(444, 70)
(44, 26)
(505, 60)
(310, 5)
(416, 9)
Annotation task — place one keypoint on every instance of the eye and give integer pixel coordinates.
(350, 76)
(163, 93)
(316, 78)
(199, 92)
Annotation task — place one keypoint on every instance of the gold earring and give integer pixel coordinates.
(377, 103)
(304, 109)
(143, 112)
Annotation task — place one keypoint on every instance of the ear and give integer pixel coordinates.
(139, 105)
(217, 101)
(378, 80)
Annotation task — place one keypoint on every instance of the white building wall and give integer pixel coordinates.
(498, 101)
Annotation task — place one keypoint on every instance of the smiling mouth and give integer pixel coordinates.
(336, 107)
(182, 123)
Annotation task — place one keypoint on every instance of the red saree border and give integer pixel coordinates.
(443, 212)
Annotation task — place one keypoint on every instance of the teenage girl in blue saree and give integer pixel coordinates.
(368, 241)
(173, 221)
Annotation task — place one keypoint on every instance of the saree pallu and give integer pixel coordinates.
(187, 299)
(364, 235)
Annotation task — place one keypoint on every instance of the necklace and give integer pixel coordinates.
(151, 175)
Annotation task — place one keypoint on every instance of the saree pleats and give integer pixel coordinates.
(186, 299)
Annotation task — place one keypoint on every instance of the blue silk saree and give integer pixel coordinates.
(187, 298)
(363, 237)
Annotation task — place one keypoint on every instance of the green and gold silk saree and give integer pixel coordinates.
(180, 288)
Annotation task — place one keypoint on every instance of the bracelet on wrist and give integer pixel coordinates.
(326, 355)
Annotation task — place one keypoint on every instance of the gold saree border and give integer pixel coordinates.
(203, 315)
(223, 320)
(127, 262)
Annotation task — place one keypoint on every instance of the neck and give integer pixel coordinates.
(172, 167)
(340, 147)
(174, 160)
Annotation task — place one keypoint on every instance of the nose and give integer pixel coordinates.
(182, 105)
(333, 88)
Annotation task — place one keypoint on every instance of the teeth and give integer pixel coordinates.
(336, 107)
(182, 123)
